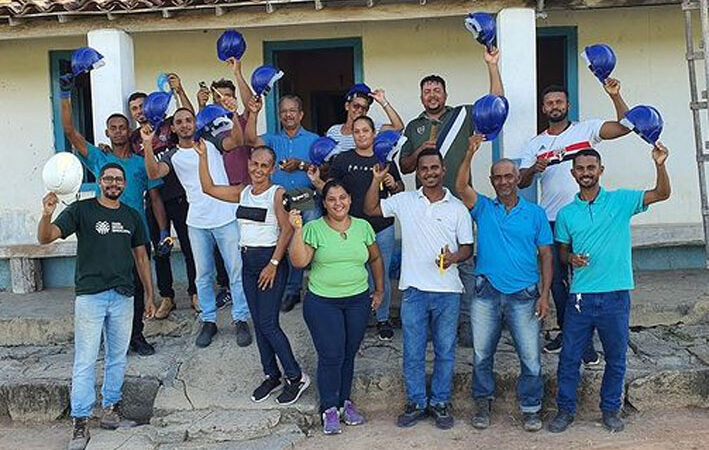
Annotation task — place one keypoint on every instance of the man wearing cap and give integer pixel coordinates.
(447, 129)
(548, 157)
(291, 144)
(594, 236)
(357, 102)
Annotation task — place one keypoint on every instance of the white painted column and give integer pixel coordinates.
(114, 82)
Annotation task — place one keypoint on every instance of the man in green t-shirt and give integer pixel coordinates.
(447, 129)
(110, 240)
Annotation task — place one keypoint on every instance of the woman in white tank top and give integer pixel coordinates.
(264, 235)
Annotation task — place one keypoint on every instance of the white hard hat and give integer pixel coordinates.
(63, 174)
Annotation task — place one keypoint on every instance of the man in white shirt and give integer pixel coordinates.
(436, 235)
(548, 156)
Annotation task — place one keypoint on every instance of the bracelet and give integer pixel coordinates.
(274, 261)
(384, 105)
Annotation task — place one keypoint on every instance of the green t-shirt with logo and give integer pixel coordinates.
(106, 238)
(338, 268)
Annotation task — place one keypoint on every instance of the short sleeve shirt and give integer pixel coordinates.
(508, 242)
(338, 268)
(345, 142)
(426, 228)
(286, 147)
(601, 229)
(558, 186)
(105, 239)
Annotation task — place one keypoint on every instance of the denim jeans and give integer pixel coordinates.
(609, 313)
(111, 313)
(489, 308)
(386, 239)
(203, 241)
(337, 326)
(264, 306)
(295, 276)
(418, 310)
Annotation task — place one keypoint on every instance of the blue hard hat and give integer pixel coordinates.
(600, 59)
(263, 79)
(483, 27)
(321, 149)
(205, 118)
(646, 121)
(85, 59)
(385, 144)
(359, 88)
(163, 82)
(231, 44)
(489, 115)
(155, 108)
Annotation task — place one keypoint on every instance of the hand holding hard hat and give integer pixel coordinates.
(62, 175)
(489, 115)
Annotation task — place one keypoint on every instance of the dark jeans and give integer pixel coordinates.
(264, 307)
(176, 212)
(138, 302)
(609, 313)
(222, 276)
(337, 327)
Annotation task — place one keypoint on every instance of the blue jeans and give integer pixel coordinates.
(337, 327)
(418, 310)
(112, 313)
(295, 276)
(203, 241)
(386, 239)
(467, 277)
(264, 306)
(488, 309)
(609, 313)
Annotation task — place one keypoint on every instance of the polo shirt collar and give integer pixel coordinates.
(446, 195)
(521, 203)
(446, 110)
(297, 134)
(600, 198)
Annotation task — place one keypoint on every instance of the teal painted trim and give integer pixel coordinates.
(5, 279)
(269, 49)
(572, 63)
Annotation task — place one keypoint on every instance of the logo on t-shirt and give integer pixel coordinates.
(117, 227)
(102, 227)
(421, 129)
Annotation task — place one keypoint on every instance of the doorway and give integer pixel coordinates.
(557, 64)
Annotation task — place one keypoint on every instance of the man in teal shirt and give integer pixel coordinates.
(594, 234)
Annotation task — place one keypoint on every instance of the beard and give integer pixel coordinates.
(112, 195)
(558, 119)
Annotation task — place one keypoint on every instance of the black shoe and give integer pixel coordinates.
(385, 332)
(612, 422)
(243, 334)
(444, 419)
(561, 422)
(262, 392)
(293, 389)
(532, 421)
(140, 346)
(554, 346)
(80, 434)
(412, 414)
(591, 360)
(289, 302)
(209, 329)
(223, 298)
(481, 419)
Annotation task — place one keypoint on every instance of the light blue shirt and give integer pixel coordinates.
(137, 181)
(601, 229)
(508, 242)
(287, 147)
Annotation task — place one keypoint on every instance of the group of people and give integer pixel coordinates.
(223, 188)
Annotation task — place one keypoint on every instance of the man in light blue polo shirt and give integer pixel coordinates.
(594, 233)
(292, 147)
(513, 234)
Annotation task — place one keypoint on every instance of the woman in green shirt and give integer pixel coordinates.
(336, 308)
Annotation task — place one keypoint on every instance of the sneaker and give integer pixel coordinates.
(223, 298)
(554, 346)
(293, 390)
(385, 332)
(140, 346)
(612, 422)
(80, 434)
(350, 415)
(112, 418)
(289, 302)
(481, 419)
(166, 307)
(209, 329)
(561, 422)
(268, 385)
(592, 360)
(243, 334)
(444, 419)
(532, 421)
(412, 414)
(195, 304)
(331, 421)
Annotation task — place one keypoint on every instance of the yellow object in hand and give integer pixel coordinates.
(440, 263)
(298, 222)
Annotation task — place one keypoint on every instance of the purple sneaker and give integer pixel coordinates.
(350, 415)
(331, 421)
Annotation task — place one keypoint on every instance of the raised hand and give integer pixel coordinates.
(378, 96)
(255, 104)
(492, 57)
(147, 133)
(295, 219)
(313, 173)
(234, 65)
(612, 86)
(49, 204)
(379, 174)
(175, 83)
(230, 104)
(659, 153)
(201, 148)
(202, 97)
(474, 142)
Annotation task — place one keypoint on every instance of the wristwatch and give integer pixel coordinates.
(274, 262)
(301, 166)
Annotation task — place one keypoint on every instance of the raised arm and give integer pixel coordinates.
(662, 189)
(236, 137)
(176, 86)
(230, 194)
(76, 139)
(395, 122)
(372, 204)
(250, 134)
(241, 84)
(407, 163)
(47, 232)
(612, 129)
(155, 169)
(462, 180)
(299, 252)
(491, 59)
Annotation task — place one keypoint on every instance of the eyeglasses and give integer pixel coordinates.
(359, 107)
(109, 179)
